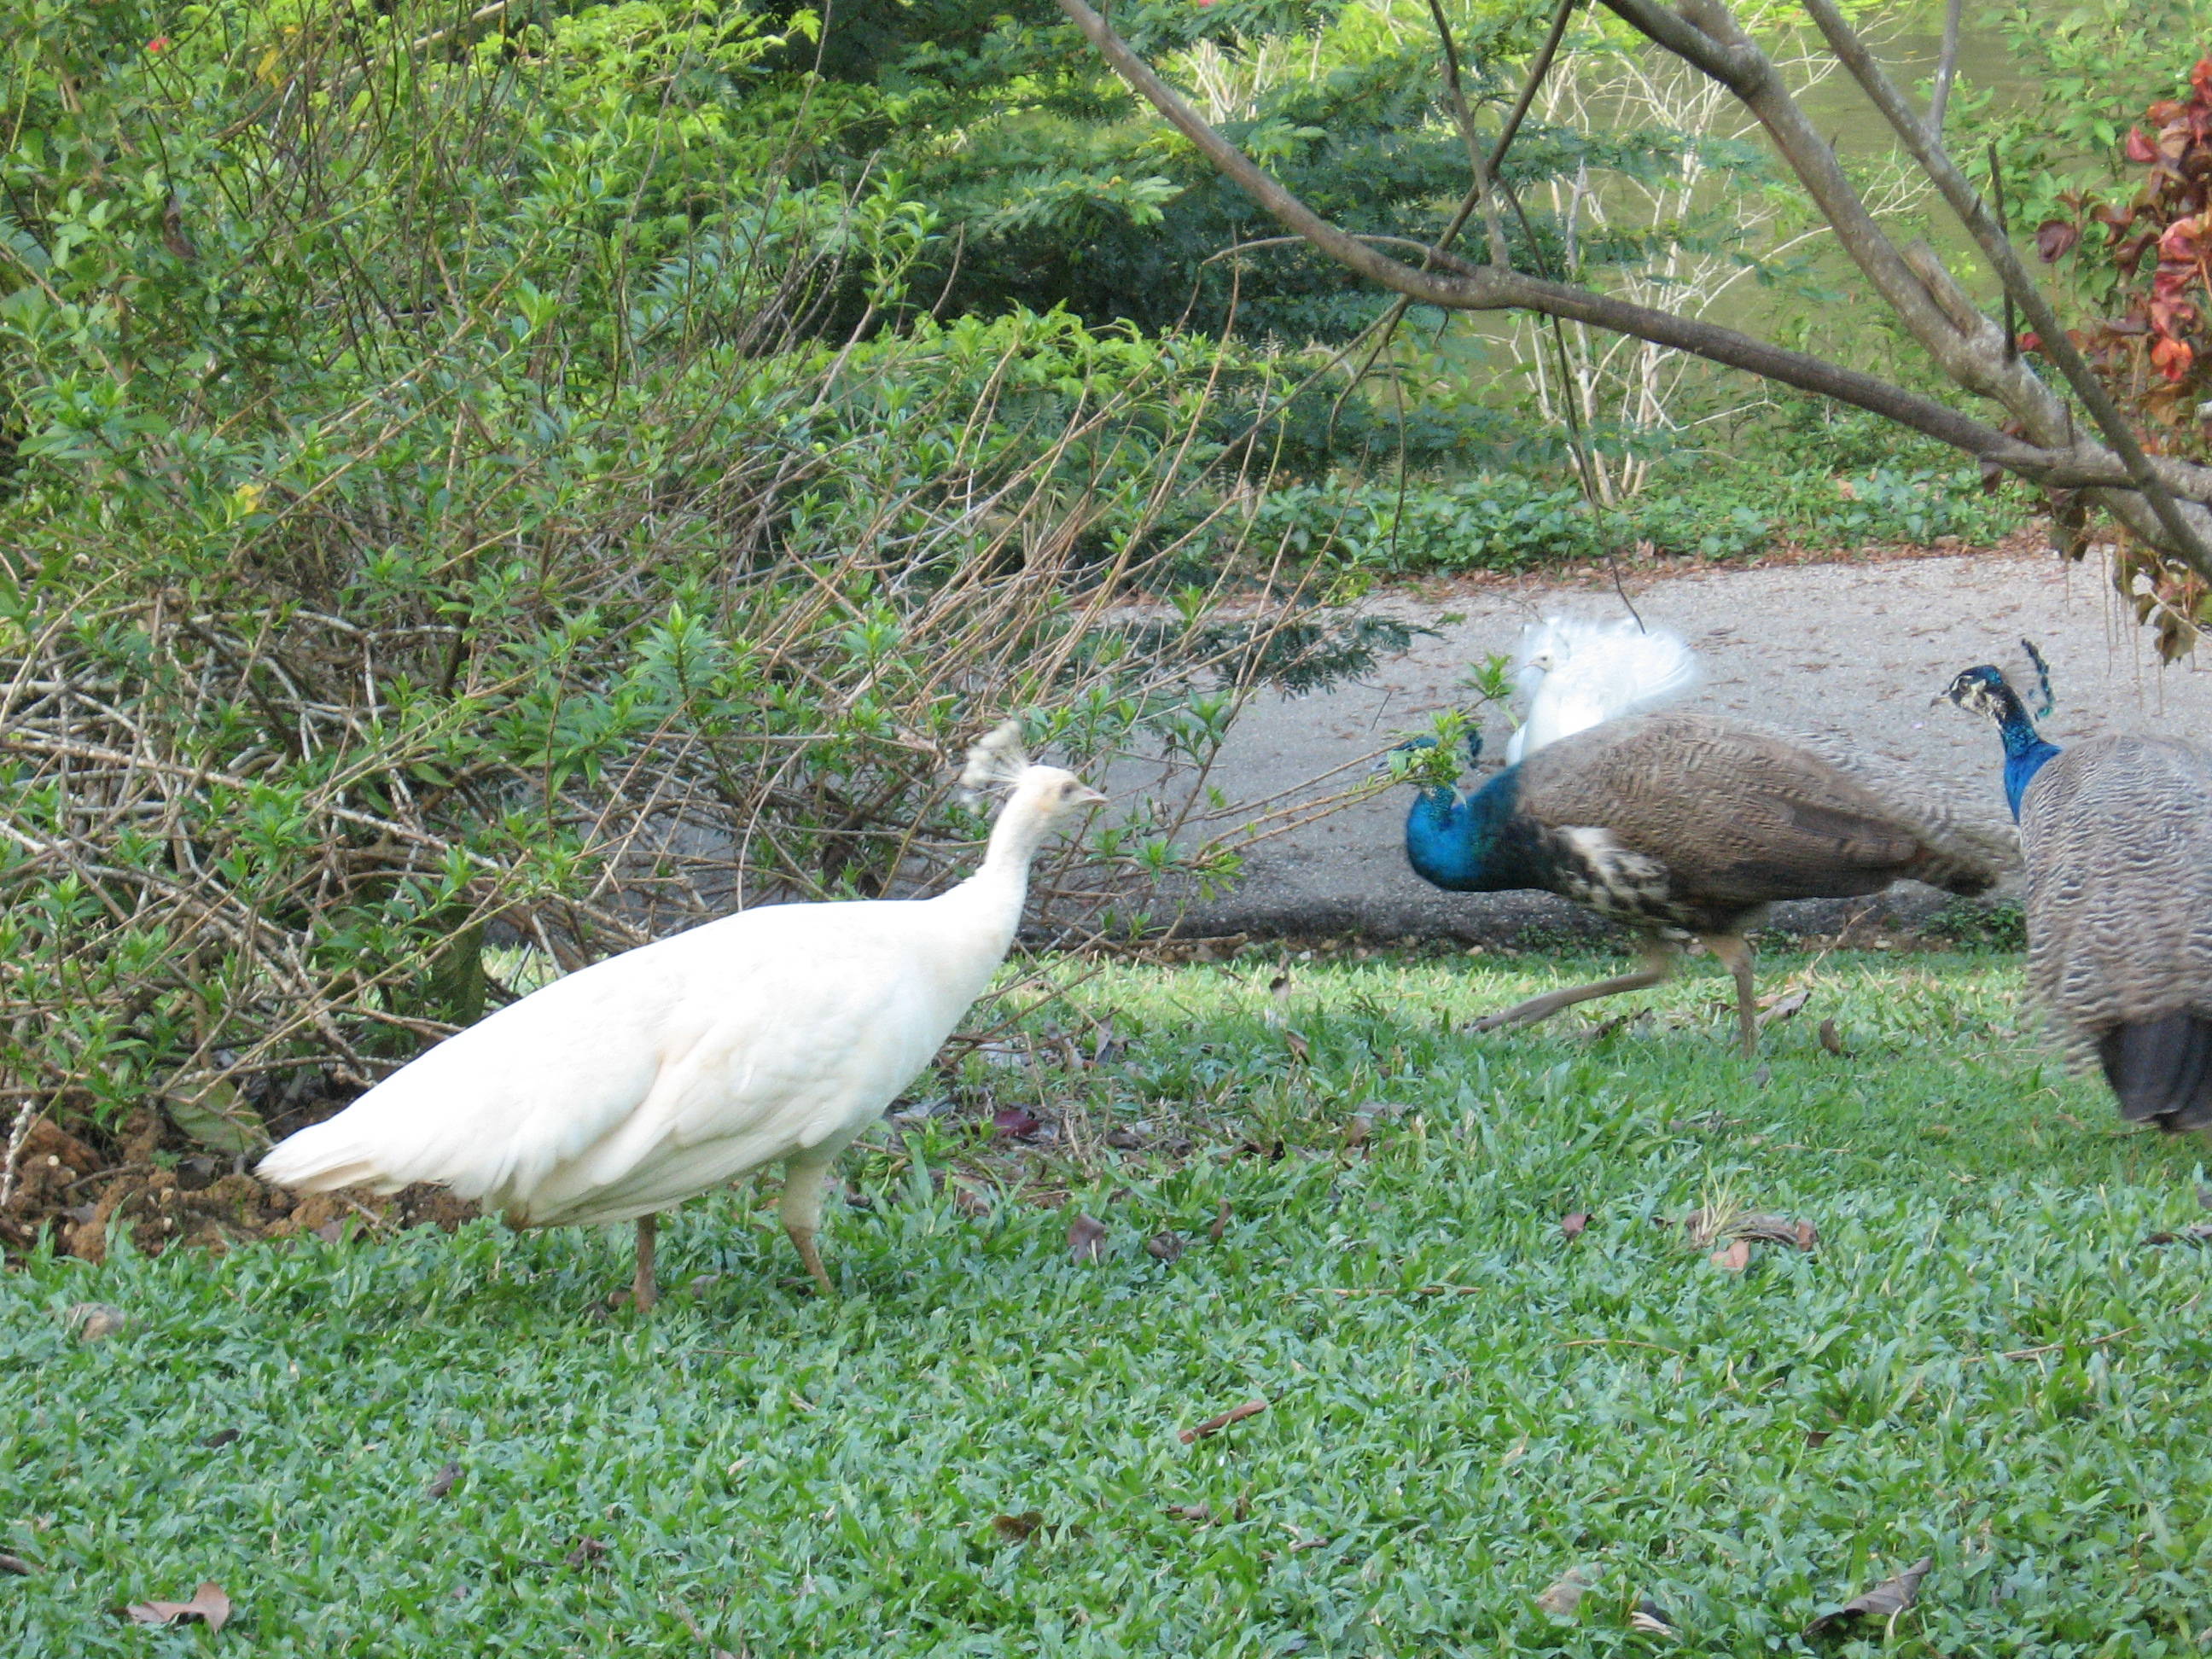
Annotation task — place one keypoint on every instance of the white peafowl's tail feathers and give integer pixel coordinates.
(1578, 673)
(323, 1158)
(996, 758)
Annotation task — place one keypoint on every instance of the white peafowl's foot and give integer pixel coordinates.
(802, 1240)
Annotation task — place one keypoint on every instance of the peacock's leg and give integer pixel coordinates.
(803, 1178)
(1734, 951)
(1658, 964)
(644, 1292)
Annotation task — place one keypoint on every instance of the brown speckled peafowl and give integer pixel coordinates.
(1681, 826)
(2116, 834)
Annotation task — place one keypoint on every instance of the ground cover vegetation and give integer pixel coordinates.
(1731, 1345)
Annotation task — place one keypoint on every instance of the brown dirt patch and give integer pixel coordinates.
(148, 1180)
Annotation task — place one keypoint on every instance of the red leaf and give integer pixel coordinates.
(1735, 1258)
(2172, 358)
(1572, 1225)
(2055, 238)
(1017, 1123)
(2138, 148)
(2183, 239)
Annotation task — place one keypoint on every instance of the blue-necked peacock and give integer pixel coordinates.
(1681, 826)
(2116, 834)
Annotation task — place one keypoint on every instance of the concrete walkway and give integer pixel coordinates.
(1853, 650)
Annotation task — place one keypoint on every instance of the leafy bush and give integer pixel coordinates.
(1510, 522)
(435, 516)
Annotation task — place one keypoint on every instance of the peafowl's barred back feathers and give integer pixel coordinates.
(1686, 823)
(2118, 831)
(1949, 820)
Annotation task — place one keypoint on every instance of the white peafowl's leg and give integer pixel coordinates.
(1735, 950)
(1658, 964)
(804, 1176)
(644, 1292)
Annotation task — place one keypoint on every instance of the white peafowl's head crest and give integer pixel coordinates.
(996, 760)
(999, 761)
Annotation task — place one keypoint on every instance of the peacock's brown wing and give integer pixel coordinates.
(1738, 816)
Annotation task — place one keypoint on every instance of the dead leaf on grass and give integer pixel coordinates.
(1781, 1005)
(210, 1606)
(1164, 1247)
(968, 1198)
(2199, 1234)
(220, 1438)
(1817, 1438)
(16, 1566)
(1566, 1592)
(1086, 1238)
(1734, 1258)
(1197, 1512)
(588, 1551)
(1832, 1040)
(1015, 1123)
(1123, 1140)
(94, 1321)
(1650, 1617)
(1885, 1600)
(1301, 1049)
(1213, 1426)
(1573, 1226)
(331, 1230)
(1220, 1223)
(2203, 1196)
(1018, 1529)
(1356, 1131)
(439, 1485)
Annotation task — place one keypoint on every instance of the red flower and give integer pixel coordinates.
(158, 43)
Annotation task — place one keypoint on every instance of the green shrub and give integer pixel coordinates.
(435, 518)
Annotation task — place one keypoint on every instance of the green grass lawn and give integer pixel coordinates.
(1984, 1361)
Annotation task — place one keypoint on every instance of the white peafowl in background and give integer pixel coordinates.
(775, 1034)
(1577, 673)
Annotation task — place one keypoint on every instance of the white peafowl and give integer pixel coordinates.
(1577, 673)
(775, 1034)
(2117, 832)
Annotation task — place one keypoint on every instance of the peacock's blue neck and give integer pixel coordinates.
(2025, 752)
(1460, 842)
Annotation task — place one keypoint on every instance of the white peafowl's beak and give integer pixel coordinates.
(1084, 795)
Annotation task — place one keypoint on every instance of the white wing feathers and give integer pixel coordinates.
(666, 1070)
(1578, 673)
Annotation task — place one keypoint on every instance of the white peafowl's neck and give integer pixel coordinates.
(997, 892)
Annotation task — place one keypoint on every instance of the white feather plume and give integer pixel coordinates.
(996, 757)
(1578, 673)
